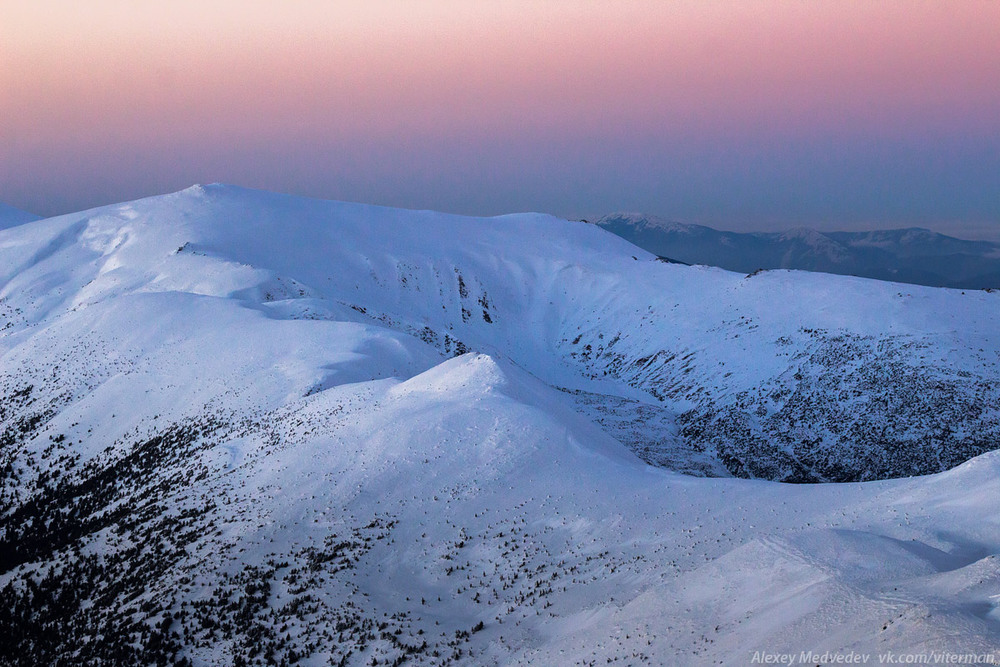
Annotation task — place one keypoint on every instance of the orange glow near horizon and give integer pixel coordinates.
(111, 75)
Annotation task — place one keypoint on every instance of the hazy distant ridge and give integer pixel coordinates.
(10, 216)
(913, 255)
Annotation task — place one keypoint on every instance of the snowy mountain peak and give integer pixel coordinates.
(243, 426)
(571, 304)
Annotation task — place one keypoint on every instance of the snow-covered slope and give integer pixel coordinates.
(242, 426)
(10, 216)
(916, 256)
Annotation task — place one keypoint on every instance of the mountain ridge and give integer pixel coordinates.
(245, 427)
(910, 255)
(11, 217)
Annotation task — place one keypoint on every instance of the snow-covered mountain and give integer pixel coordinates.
(245, 428)
(10, 216)
(916, 256)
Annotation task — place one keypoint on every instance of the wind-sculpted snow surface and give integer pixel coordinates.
(243, 428)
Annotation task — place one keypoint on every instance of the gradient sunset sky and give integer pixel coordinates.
(744, 114)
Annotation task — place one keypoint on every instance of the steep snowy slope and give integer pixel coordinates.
(780, 376)
(237, 426)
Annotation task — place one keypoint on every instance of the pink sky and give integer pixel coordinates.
(726, 113)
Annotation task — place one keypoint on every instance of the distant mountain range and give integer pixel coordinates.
(11, 217)
(913, 255)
